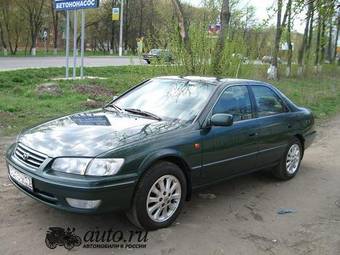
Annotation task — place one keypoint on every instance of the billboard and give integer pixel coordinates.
(69, 5)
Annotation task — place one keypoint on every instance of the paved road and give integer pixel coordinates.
(242, 219)
(13, 63)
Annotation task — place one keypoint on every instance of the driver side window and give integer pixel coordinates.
(235, 101)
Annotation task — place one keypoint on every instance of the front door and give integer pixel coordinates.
(228, 151)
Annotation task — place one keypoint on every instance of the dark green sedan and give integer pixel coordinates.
(147, 150)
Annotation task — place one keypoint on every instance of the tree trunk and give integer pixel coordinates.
(272, 71)
(126, 25)
(289, 41)
(323, 42)
(183, 30)
(310, 34)
(221, 41)
(141, 10)
(318, 42)
(336, 39)
(55, 21)
(3, 42)
(304, 40)
(330, 38)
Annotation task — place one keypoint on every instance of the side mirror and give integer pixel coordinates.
(222, 120)
(114, 98)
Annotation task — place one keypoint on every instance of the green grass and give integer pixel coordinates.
(21, 106)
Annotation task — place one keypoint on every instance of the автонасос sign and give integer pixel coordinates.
(62, 5)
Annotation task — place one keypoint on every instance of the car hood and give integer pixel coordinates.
(90, 134)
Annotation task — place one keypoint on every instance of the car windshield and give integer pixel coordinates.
(168, 98)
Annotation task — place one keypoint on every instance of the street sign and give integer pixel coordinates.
(115, 14)
(69, 5)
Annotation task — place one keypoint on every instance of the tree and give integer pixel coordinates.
(303, 46)
(10, 24)
(55, 23)
(337, 37)
(33, 10)
(289, 41)
(221, 41)
(273, 69)
(2, 37)
(184, 33)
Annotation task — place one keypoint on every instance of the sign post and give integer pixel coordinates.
(74, 5)
(67, 43)
(82, 43)
(121, 28)
(75, 33)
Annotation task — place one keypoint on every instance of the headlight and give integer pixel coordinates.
(71, 165)
(88, 166)
(104, 167)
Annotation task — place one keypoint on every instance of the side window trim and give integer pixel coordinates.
(278, 97)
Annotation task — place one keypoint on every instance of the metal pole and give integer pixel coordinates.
(75, 33)
(121, 27)
(67, 43)
(82, 43)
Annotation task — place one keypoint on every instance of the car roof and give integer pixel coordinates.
(211, 80)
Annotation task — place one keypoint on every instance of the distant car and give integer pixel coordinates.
(158, 55)
(269, 60)
(148, 149)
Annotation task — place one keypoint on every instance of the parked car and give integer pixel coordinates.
(158, 55)
(147, 150)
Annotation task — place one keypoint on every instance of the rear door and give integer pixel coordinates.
(272, 117)
(228, 151)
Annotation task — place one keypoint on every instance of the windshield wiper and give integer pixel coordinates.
(117, 108)
(143, 113)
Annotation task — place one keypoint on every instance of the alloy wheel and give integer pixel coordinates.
(163, 198)
(293, 159)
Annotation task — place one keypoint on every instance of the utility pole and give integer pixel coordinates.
(82, 43)
(67, 43)
(121, 28)
(75, 35)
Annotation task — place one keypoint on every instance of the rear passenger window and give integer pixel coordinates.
(267, 102)
(235, 101)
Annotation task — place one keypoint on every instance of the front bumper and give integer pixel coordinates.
(53, 190)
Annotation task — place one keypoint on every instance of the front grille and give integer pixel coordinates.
(28, 156)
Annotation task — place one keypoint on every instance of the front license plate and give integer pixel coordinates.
(21, 178)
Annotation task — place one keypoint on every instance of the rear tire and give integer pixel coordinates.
(290, 163)
(159, 197)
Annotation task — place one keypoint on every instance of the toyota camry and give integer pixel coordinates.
(148, 149)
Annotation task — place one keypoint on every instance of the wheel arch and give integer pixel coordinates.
(173, 157)
(302, 141)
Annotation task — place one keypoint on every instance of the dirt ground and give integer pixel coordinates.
(241, 219)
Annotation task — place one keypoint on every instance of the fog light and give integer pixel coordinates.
(83, 204)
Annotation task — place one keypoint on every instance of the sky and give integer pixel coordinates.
(261, 10)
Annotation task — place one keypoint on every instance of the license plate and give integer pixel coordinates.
(21, 178)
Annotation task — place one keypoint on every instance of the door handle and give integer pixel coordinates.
(253, 134)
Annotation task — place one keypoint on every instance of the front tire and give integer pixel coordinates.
(291, 160)
(159, 197)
